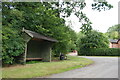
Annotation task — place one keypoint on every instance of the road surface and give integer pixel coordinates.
(103, 67)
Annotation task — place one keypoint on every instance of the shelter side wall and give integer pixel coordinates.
(26, 37)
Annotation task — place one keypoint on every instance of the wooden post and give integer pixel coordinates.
(25, 54)
(50, 54)
(26, 39)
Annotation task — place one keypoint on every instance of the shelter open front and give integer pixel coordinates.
(38, 50)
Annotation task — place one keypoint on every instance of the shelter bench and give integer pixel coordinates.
(33, 59)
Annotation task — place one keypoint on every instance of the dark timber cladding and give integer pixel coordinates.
(37, 46)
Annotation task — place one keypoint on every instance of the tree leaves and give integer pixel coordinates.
(93, 40)
(37, 17)
(113, 32)
(43, 18)
(101, 6)
(13, 44)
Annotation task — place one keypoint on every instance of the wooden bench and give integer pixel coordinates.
(33, 59)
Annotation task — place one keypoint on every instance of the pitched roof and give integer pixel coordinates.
(39, 36)
(114, 40)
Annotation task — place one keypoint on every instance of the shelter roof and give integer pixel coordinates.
(39, 36)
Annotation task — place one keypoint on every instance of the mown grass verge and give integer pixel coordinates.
(101, 56)
(45, 68)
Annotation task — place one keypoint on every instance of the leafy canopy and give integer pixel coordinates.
(113, 32)
(36, 17)
(44, 18)
(93, 40)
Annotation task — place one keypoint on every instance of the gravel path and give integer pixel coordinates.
(104, 67)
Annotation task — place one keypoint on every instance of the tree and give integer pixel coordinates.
(13, 45)
(113, 32)
(67, 8)
(43, 18)
(93, 40)
(36, 17)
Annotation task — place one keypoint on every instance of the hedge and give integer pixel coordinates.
(100, 52)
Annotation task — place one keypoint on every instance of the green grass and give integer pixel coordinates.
(45, 68)
(33, 62)
(103, 56)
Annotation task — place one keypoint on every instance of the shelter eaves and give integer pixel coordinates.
(39, 36)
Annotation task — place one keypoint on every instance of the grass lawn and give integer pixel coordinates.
(103, 56)
(44, 68)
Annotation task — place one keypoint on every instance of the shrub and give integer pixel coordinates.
(13, 45)
(100, 52)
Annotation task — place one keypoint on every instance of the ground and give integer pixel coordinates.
(44, 68)
(104, 67)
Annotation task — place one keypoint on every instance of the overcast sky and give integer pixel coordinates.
(101, 20)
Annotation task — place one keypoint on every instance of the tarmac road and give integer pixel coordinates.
(103, 67)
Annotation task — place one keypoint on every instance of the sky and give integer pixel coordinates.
(101, 20)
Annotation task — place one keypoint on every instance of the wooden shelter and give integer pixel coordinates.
(37, 46)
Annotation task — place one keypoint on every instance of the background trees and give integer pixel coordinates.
(113, 32)
(95, 44)
(93, 40)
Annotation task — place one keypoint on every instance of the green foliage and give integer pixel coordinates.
(100, 52)
(67, 42)
(76, 7)
(13, 45)
(38, 17)
(93, 40)
(80, 35)
(101, 6)
(42, 18)
(113, 32)
(33, 62)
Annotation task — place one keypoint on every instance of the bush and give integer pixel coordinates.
(100, 52)
(13, 45)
